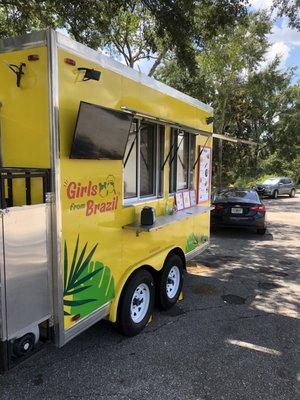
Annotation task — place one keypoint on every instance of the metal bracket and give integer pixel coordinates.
(90, 74)
(49, 197)
(4, 211)
(18, 70)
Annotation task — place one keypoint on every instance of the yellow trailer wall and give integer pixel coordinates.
(24, 118)
(119, 252)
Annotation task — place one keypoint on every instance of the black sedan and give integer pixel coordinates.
(239, 208)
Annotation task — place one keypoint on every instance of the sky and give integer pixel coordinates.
(284, 41)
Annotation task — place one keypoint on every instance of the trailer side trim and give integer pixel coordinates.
(189, 256)
(88, 321)
(140, 115)
(30, 40)
(3, 327)
(67, 43)
(55, 201)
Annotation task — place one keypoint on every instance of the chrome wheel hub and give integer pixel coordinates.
(140, 303)
(173, 282)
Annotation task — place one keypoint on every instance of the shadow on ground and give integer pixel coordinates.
(234, 336)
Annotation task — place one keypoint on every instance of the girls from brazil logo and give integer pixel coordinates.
(98, 197)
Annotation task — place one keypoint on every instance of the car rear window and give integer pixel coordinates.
(237, 194)
(271, 181)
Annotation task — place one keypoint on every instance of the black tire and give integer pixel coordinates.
(213, 229)
(24, 345)
(261, 231)
(126, 325)
(275, 194)
(293, 192)
(163, 300)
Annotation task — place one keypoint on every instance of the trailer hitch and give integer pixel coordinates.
(18, 70)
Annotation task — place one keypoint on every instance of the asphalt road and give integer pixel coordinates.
(205, 348)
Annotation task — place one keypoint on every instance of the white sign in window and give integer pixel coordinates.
(204, 174)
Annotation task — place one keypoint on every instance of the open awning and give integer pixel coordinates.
(233, 139)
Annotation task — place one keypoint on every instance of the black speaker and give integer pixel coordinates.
(148, 216)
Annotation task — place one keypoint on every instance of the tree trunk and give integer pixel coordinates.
(156, 63)
(220, 163)
(222, 121)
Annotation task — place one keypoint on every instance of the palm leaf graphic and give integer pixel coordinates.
(74, 257)
(86, 278)
(102, 288)
(194, 241)
(191, 243)
(77, 268)
(88, 284)
(77, 302)
(76, 265)
(65, 265)
(81, 267)
(74, 280)
(78, 290)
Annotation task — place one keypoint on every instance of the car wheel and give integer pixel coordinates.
(136, 303)
(293, 192)
(275, 194)
(261, 231)
(169, 283)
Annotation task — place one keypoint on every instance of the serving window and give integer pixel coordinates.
(182, 158)
(143, 160)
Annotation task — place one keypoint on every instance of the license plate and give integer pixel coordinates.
(236, 211)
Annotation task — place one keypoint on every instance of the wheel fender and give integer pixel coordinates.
(180, 253)
(153, 264)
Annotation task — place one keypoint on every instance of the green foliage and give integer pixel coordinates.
(133, 29)
(248, 182)
(249, 101)
(19, 16)
(210, 49)
(289, 9)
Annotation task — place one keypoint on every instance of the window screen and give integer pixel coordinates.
(130, 161)
(143, 160)
(183, 147)
(182, 160)
(147, 160)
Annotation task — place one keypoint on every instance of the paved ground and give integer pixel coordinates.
(203, 349)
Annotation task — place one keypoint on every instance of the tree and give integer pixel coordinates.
(132, 35)
(247, 99)
(283, 154)
(18, 17)
(223, 66)
(290, 9)
(134, 29)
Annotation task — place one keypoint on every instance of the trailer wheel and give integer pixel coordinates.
(261, 231)
(24, 345)
(170, 282)
(136, 303)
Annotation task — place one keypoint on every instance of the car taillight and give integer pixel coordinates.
(218, 207)
(258, 208)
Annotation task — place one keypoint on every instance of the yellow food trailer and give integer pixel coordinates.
(105, 192)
